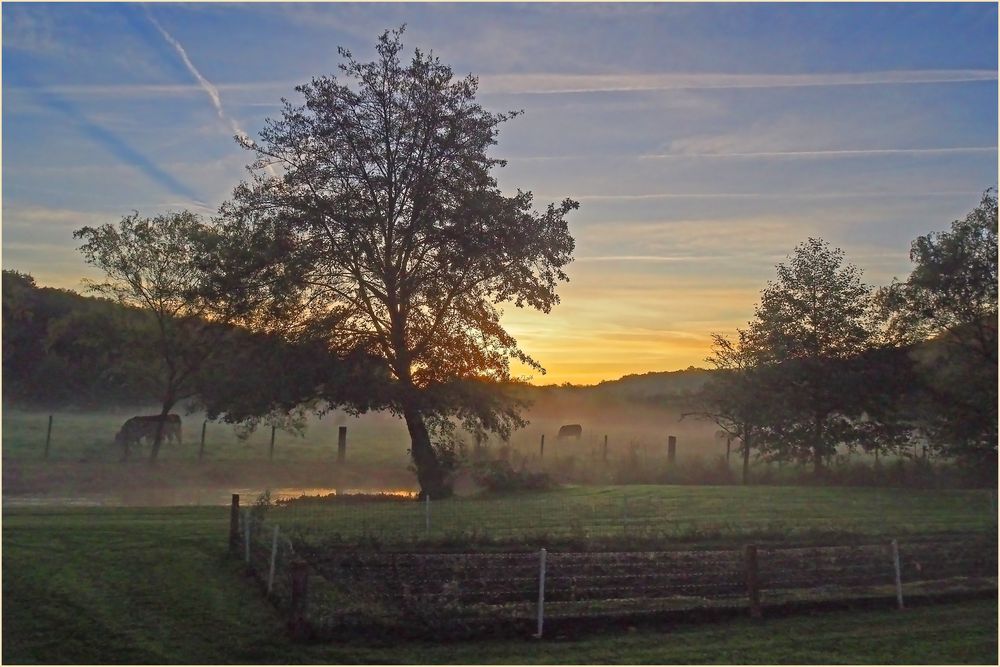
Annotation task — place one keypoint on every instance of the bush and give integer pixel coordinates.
(500, 477)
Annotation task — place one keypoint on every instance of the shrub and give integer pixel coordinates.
(500, 477)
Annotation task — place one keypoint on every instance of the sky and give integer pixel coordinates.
(703, 141)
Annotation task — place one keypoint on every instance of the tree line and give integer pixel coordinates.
(830, 364)
(366, 263)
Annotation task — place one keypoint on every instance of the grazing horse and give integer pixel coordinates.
(137, 428)
(570, 431)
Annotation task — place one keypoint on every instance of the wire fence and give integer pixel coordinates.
(434, 591)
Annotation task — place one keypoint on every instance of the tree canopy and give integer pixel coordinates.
(157, 266)
(947, 307)
(383, 232)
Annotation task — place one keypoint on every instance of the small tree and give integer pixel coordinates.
(736, 398)
(813, 321)
(386, 235)
(156, 265)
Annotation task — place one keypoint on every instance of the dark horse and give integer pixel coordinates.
(141, 427)
(570, 431)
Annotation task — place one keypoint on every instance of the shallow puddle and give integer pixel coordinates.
(185, 497)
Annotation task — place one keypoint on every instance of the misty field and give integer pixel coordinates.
(373, 438)
(117, 585)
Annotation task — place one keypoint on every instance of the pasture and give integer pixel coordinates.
(373, 438)
(660, 512)
(114, 585)
(84, 461)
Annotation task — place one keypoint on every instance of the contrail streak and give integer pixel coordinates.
(206, 85)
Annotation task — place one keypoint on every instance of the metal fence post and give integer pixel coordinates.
(342, 444)
(270, 455)
(899, 578)
(541, 448)
(427, 512)
(541, 592)
(274, 559)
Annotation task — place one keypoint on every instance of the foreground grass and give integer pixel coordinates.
(154, 586)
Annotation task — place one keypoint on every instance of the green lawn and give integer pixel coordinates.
(681, 512)
(154, 586)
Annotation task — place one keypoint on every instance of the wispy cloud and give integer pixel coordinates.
(814, 154)
(593, 83)
(767, 195)
(832, 153)
(113, 143)
(645, 258)
(537, 83)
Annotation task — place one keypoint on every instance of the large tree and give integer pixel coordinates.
(380, 228)
(947, 308)
(816, 322)
(157, 266)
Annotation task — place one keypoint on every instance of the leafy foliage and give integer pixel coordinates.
(157, 265)
(62, 348)
(386, 235)
(948, 306)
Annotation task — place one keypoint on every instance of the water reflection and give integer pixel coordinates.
(188, 497)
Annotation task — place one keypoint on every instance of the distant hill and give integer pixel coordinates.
(655, 388)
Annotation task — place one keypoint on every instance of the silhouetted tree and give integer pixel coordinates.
(156, 265)
(947, 308)
(814, 322)
(385, 234)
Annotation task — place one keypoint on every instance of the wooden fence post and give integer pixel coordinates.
(246, 532)
(541, 448)
(274, 559)
(48, 438)
(201, 448)
(298, 625)
(541, 592)
(234, 523)
(899, 578)
(341, 444)
(671, 449)
(605, 449)
(753, 579)
(270, 456)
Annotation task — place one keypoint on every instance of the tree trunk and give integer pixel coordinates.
(167, 406)
(430, 475)
(746, 457)
(819, 470)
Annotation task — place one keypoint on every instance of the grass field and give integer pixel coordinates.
(115, 585)
(665, 512)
